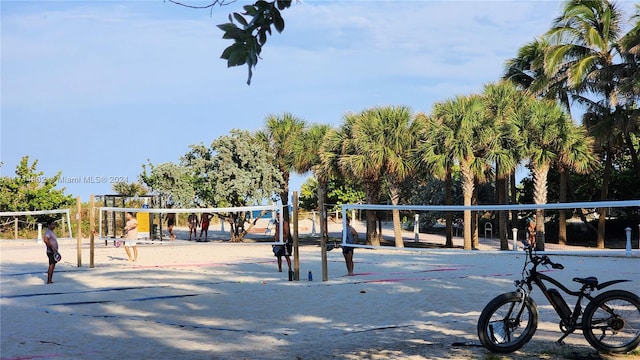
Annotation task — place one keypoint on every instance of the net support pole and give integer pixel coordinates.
(15, 228)
(69, 223)
(79, 230)
(39, 233)
(296, 243)
(628, 245)
(92, 222)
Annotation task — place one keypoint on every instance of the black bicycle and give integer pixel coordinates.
(610, 321)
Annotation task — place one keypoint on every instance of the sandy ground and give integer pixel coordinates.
(216, 300)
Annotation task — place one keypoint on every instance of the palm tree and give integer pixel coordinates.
(307, 153)
(550, 138)
(390, 136)
(463, 127)
(280, 136)
(503, 101)
(342, 153)
(439, 161)
(583, 50)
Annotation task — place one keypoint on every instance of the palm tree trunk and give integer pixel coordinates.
(502, 192)
(513, 200)
(540, 174)
(284, 196)
(372, 193)
(448, 199)
(562, 216)
(475, 238)
(604, 194)
(467, 191)
(394, 190)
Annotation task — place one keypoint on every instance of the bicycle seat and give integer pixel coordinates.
(589, 281)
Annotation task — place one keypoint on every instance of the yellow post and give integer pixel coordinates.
(79, 230)
(92, 220)
(296, 260)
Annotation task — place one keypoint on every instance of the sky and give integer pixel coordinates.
(96, 89)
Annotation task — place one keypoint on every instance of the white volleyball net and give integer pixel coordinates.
(424, 226)
(246, 224)
(27, 225)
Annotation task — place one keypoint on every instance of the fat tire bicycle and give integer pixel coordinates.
(610, 321)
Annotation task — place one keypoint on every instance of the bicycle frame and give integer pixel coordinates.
(568, 323)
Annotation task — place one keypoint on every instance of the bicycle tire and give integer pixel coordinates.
(611, 321)
(499, 331)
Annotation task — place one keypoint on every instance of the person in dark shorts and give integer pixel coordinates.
(286, 249)
(171, 222)
(51, 241)
(347, 251)
(193, 226)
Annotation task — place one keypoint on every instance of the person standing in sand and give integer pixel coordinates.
(171, 222)
(193, 226)
(283, 250)
(204, 225)
(131, 235)
(347, 251)
(51, 241)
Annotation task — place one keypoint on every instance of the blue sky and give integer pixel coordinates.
(95, 89)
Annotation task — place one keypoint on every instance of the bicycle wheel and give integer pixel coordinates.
(503, 327)
(611, 322)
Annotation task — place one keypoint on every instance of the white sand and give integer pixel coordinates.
(187, 300)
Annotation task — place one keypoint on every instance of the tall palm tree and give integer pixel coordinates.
(280, 136)
(307, 153)
(438, 160)
(583, 49)
(342, 153)
(390, 136)
(503, 101)
(550, 138)
(466, 136)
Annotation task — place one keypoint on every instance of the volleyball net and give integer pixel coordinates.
(27, 225)
(425, 226)
(251, 223)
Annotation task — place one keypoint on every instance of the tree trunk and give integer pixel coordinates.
(394, 190)
(284, 196)
(372, 190)
(502, 195)
(467, 194)
(513, 200)
(540, 174)
(562, 216)
(448, 199)
(475, 238)
(604, 194)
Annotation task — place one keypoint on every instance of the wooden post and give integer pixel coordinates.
(92, 221)
(296, 252)
(79, 230)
